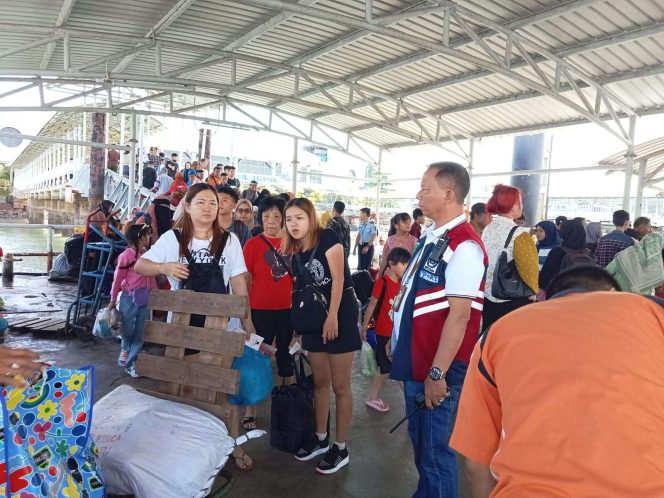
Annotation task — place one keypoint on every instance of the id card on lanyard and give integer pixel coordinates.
(434, 257)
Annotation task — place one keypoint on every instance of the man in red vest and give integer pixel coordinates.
(437, 317)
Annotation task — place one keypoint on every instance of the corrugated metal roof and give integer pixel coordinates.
(325, 61)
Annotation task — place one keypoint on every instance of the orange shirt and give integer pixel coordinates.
(578, 406)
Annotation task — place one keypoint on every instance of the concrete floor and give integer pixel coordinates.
(381, 464)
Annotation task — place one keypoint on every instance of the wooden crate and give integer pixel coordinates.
(203, 379)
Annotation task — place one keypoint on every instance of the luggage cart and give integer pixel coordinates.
(102, 244)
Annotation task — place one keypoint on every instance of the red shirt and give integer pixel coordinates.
(384, 323)
(416, 230)
(271, 285)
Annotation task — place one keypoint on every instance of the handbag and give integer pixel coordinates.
(292, 412)
(140, 296)
(47, 449)
(309, 305)
(507, 283)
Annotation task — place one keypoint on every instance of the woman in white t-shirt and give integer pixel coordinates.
(199, 254)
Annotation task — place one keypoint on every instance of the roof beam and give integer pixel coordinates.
(63, 16)
(534, 84)
(171, 16)
(565, 87)
(610, 40)
(30, 45)
(463, 40)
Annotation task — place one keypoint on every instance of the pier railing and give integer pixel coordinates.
(49, 253)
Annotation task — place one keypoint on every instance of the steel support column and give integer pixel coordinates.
(295, 162)
(471, 158)
(379, 186)
(132, 164)
(638, 208)
(629, 164)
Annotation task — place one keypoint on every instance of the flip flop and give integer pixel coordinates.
(249, 423)
(244, 462)
(378, 405)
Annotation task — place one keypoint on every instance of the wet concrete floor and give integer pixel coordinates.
(381, 464)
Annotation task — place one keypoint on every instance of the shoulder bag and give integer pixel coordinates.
(507, 283)
(309, 305)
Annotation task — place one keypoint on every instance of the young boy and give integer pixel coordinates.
(384, 291)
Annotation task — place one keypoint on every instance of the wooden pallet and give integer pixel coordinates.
(203, 379)
(38, 325)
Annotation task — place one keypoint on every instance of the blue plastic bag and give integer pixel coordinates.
(255, 378)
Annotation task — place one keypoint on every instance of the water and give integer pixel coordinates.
(22, 239)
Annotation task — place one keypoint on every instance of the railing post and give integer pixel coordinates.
(49, 249)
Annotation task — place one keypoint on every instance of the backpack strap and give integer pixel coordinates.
(187, 254)
(305, 268)
(480, 364)
(379, 304)
(277, 254)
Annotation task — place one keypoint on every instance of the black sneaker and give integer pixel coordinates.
(333, 460)
(313, 448)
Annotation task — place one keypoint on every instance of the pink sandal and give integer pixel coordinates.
(378, 405)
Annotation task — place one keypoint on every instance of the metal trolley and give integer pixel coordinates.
(102, 243)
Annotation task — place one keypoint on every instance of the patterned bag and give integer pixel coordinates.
(45, 445)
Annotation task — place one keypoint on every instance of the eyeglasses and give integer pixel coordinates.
(243, 211)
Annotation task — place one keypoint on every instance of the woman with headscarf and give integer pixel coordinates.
(547, 239)
(178, 188)
(593, 234)
(572, 247)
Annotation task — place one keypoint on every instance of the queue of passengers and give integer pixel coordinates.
(535, 395)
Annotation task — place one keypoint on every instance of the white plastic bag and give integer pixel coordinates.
(153, 448)
(102, 328)
(368, 360)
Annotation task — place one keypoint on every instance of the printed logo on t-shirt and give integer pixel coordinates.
(317, 271)
(277, 268)
(203, 256)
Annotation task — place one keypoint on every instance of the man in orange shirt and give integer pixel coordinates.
(566, 397)
(215, 178)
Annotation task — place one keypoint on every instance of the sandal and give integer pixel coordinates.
(243, 462)
(249, 423)
(378, 405)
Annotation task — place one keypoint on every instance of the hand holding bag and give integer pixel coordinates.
(507, 283)
(309, 305)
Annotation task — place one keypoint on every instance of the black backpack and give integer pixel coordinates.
(575, 257)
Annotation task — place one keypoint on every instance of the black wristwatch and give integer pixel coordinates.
(436, 373)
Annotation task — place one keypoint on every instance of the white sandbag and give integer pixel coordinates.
(154, 448)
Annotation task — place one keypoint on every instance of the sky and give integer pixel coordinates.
(571, 146)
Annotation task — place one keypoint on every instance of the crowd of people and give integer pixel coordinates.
(513, 346)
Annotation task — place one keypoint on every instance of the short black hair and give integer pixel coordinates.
(586, 278)
(417, 212)
(227, 167)
(641, 220)
(161, 154)
(268, 203)
(174, 154)
(630, 232)
(620, 217)
(456, 174)
(223, 189)
(366, 211)
(216, 167)
(219, 165)
(224, 174)
(560, 220)
(339, 207)
(398, 255)
(477, 208)
(284, 196)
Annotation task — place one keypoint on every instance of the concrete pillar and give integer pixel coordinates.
(97, 156)
(132, 164)
(638, 208)
(528, 155)
(295, 161)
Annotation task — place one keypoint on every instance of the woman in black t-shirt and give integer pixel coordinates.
(331, 348)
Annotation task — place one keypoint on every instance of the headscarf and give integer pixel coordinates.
(251, 208)
(573, 234)
(593, 232)
(551, 238)
(178, 183)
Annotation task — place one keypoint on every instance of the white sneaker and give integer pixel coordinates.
(132, 372)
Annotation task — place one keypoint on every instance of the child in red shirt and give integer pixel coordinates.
(384, 291)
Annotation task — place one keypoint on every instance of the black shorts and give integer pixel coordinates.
(348, 339)
(383, 361)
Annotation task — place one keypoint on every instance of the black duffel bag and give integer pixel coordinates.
(507, 283)
(292, 416)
